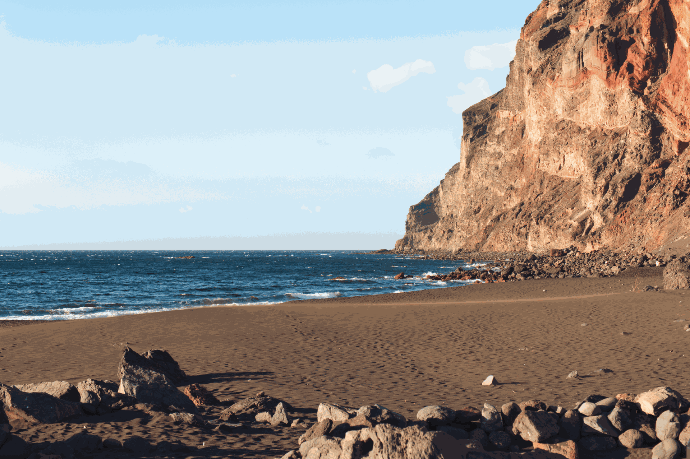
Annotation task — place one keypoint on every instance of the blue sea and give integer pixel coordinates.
(58, 285)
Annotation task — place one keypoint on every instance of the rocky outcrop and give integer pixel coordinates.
(587, 145)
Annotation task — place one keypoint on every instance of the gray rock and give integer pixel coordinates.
(14, 448)
(607, 404)
(323, 442)
(156, 360)
(667, 426)
(589, 409)
(660, 399)
(436, 415)
(667, 449)
(336, 413)
(263, 416)
(387, 441)
(620, 419)
(631, 438)
(571, 423)
(148, 386)
(684, 437)
(58, 389)
(248, 408)
(58, 448)
(100, 397)
(280, 416)
(510, 411)
(593, 425)
(84, 442)
(491, 420)
(573, 375)
(137, 444)
(319, 429)
(455, 432)
(500, 440)
(377, 414)
(4, 431)
(676, 275)
(292, 454)
(187, 418)
(490, 381)
(36, 406)
(112, 443)
(536, 426)
(328, 449)
(480, 436)
(597, 443)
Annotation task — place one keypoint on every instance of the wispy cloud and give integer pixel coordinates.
(379, 152)
(188, 209)
(386, 77)
(490, 57)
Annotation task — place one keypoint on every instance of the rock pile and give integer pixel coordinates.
(658, 418)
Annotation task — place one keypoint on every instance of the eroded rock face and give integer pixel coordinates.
(587, 145)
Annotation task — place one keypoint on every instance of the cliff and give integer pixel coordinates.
(587, 144)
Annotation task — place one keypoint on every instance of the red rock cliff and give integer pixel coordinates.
(587, 145)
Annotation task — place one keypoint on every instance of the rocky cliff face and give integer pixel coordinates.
(587, 145)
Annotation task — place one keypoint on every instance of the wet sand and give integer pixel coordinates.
(403, 351)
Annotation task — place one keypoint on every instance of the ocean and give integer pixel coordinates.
(59, 285)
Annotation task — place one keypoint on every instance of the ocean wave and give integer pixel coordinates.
(309, 296)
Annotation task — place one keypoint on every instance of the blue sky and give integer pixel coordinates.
(236, 124)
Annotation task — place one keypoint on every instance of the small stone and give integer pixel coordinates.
(589, 409)
(655, 401)
(592, 425)
(631, 438)
(607, 404)
(620, 419)
(263, 416)
(573, 375)
(280, 416)
(597, 443)
(334, 412)
(536, 426)
(292, 454)
(567, 449)
(510, 411)
(319, 429)
(490, 381)
(137, 444)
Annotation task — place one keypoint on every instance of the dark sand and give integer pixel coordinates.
(403, 351)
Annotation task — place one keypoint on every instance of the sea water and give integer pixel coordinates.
(56, 285)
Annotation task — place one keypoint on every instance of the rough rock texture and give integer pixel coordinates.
(37, 406)
(156, 359)
(436, 415)
(654, 401)
(58, 389)
(676, 275)
(536, 426)
(587, 145)
(148, 386)
(100, 397)
(200, 396)
(387, 441)
(248, 408)
(567, 449)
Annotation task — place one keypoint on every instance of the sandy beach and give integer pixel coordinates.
(403, 351)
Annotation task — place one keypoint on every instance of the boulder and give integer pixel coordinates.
(490, 381)
(323, 444)
(156, 360)
(481, 437)
(319, 429)
(491, 420)
(280, 416)
(149, 386)
(56, 450)
(510, 411)
(84, 442)
(100, 397)
(589, 409)
(676, 275)
(200, 396)
(436, 415)
(58, 389)
(36, 407)
(620, 419)
(377, 414)
(334, 412)
(14, 448)
(683, 438)
(532, 405)
(571, 423)
(654, 401)
(597, 443)
(631, 438)
(607, 404)
(248, 408)
(667, 449)
(536, 426)
(667, 426)
(387, 441)
(594, 425)
(567, 449)
(112, 443)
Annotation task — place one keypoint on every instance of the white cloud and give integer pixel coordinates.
(306, 208)
(365, 88)
(490, 57)
(318, 208)
(475, 91)
(183, 210)
(386, 77)
(233, 75)
(354, 70)
(379, 152)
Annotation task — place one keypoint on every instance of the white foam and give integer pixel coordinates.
(306, 296)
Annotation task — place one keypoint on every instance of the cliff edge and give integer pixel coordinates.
(587, 144)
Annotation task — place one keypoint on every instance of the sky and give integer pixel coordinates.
(236, 124)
